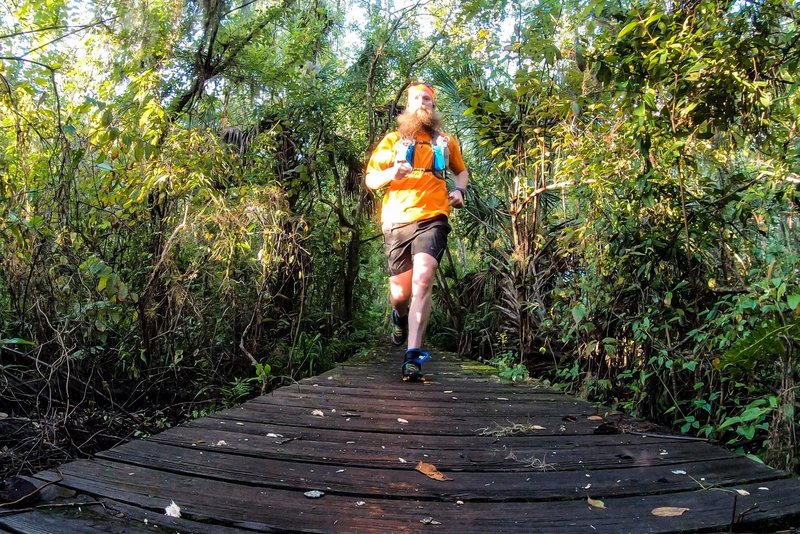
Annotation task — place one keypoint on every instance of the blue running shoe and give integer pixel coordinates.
(412, 366)
(400, 330)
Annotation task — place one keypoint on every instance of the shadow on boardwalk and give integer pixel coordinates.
(515, 459)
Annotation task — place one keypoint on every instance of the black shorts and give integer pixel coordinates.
(405, 240)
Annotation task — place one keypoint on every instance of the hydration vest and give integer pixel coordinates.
(404, 151)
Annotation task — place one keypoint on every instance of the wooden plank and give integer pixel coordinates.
(418, 423)
(413, 419)
(455, 405)
(494, 458)
(440, 396)
(230, 503)
(530, 485)
(339, 435)
(86, 520)
(393, 383)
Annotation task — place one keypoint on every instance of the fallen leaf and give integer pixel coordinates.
(173, 510)
(401, 420)
(669, 511)
(221, 443)
(595, 418)
(429, 521)
(318, 413)
(742, 492)
(402, 461)
(595, 502)
(764, 488)
(460, 503)
(274, 435)
(360, 503)
(568, 419)
(430, 471)
(607, 428)
(679, 472)
(314, 494)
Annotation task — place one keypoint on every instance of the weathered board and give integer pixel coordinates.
(516, 458)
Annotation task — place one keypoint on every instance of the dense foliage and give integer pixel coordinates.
(184, 224)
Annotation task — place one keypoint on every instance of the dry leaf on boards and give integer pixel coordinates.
(430, 471)
(596, 503)
(595, 418)
(401, 420)
(173, 510)
(318, 413)
(668, 511)
(429, 521)
(743, 493)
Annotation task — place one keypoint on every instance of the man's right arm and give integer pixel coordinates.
(377, 179)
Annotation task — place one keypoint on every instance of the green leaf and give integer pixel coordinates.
(793, 301)
(627, 29)
(729, 422)
(107, 117)
(753, 413)
(104, 166)
(16, 341)
(579, 312)
(652, 18)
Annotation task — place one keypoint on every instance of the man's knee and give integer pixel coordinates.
(424, 272)
(399, 293)
(400, 287)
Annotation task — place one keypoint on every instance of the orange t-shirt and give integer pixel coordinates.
(413, 199)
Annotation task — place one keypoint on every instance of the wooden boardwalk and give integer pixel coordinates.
(516, 459)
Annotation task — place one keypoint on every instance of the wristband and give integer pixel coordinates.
(462, 191)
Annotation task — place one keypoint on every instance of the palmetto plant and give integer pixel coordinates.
(510, 144)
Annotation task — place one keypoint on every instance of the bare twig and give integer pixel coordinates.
(35, 491)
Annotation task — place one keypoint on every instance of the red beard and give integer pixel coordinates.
(411, 122)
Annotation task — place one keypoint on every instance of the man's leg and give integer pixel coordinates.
(400, 291)
(399, 295)
(421, 283)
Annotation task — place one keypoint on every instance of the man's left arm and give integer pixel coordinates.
(458, 195)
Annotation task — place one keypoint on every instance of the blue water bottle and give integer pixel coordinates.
(438, 158)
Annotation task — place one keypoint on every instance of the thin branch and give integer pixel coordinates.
(35, 491)
(238, 7)
(53, 28)
(78, 29)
